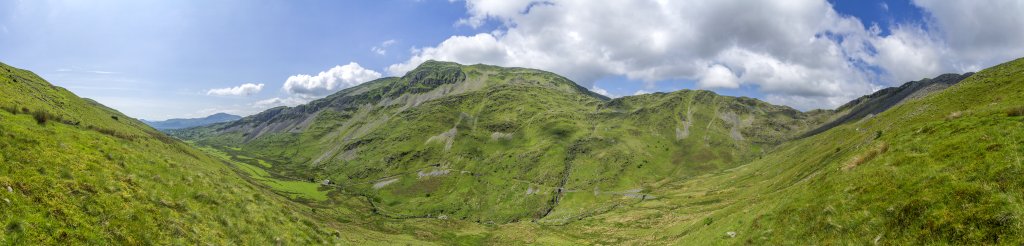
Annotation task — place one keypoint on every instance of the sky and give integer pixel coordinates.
(191, 58)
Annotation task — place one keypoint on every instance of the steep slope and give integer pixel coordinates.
(194, 122)
(882, 100)
(485, 143)
(942, 169)
(518, 156)
(75, 172)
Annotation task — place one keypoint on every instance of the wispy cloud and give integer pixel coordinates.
(278, 101)
(382, 49)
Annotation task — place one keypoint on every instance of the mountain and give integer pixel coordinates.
(881, 100)
(172, 124)
(477, 154)
(485, 143)
(941, 169)
(525, 149)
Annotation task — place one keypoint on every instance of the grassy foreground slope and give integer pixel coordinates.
(944, 169)
(75, 172)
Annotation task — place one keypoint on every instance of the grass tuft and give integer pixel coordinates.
(954, 115)
(866, 157)
(1014, 112)
(41, 117)
(13, 227)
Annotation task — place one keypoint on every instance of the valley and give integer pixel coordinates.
(479, 154)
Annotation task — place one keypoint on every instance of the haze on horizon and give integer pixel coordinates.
(183, 59)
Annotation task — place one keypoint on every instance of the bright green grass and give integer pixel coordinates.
(83, 177)
(553, 130)
(72, 185)
(292, 188)
(944, 169)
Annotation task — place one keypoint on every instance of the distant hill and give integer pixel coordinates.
(194, 122)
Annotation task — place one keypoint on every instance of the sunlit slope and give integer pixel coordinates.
(943, 169)
(492, 144)
(75, 172)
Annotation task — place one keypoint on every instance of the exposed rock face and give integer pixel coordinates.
(381, 184)
(410, 90)
(889, 97)
(501, 136)
(733, 122)
(447, 138)
(687, 122)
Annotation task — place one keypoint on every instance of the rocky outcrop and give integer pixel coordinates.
(887, 98)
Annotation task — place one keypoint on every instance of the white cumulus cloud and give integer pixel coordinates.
(326, 82)
(799, 52)
(977, 34)
(241, 90)
(718, 76)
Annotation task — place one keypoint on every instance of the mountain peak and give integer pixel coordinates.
(222, 114)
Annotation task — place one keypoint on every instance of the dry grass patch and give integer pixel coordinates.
(866, 157)
(954, 115)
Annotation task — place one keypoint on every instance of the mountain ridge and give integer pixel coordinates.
(881, 100)
(179, 123)
(520, 157)
(446, 116)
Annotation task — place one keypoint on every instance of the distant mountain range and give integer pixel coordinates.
(172, 124)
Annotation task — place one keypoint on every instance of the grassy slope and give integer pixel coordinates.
(943, 169)
(83, 176)
(508, 139)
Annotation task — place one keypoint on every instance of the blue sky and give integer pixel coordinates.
(161, 59)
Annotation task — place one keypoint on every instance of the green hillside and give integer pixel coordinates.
(945, 169)
(75, 172)
(477, 154)
(497, 145)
